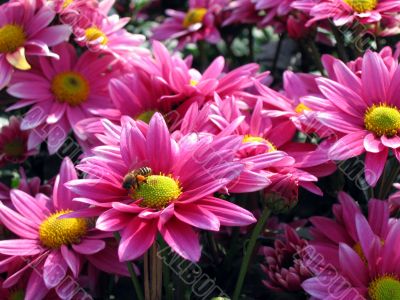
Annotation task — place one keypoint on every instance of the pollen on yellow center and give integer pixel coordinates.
(54, 232)
(94, 33)
(67, 3)
(12, 37)
(70, 87)
(301, 107)
(193, 16)
(382, 120)
(386, 287)
(158, 191)
(362, 6)
(257, 139)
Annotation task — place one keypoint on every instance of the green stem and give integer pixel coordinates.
(276, 55)
(391, 178)
(135, 280)
(168, 286)
(249, 251)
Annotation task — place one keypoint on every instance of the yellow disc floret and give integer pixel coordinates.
(301, 108)
(70, 87)
(158, 191)
(94, 33)
(257, 139)
(55, 232)
(193, 16)
(382, 120)
(384, 288)
(12, 37)
(362, 6)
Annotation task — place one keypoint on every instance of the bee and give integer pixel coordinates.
(134, 179)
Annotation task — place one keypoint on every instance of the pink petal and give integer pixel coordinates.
(88, 246)
(28, 206)
(197, 216)
(54, 269)
(62, 197)
(374, 165)
(348, 146)
(72, 260)
(21, 247)
(372, 144)
(182, 239)
(35, 289)
(136, 238)
(18, 224)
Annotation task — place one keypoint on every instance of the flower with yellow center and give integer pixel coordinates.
(193, 82)
(382, 120)
(67, 3)
(301, 107)
(70, 87)
(194, 16)
(362, 6)
(257, 139)
(12, 37)
(158, 191)
(94, 33)
(55, 232)
(386, 287)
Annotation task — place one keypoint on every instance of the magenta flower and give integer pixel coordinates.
(13, 143)
(56, 247)
(200, 22)
(355, 258)
(283, 266)
(102, 33)
(176, 198)
(365, 110)
(25, 31)
(62, 93)
(348, 11)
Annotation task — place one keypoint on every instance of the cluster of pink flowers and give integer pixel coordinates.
(169, 150)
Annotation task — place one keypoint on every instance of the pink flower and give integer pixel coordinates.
(62, 93)
(242, 12)
(102, 33)
(13, 143)
(348, 11)
(354, 257)
(56, 247)
(176, 197)
(200, 22)
(25, 30)
(365, 109)
(283, 267)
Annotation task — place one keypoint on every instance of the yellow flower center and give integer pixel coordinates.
(12, 37)
(158, 191)
(257, 139)
(362, 6)
(193, 16)
(384, 288)
(146, 116)
(70, 87)
(93, 33)
(193, 82)
(14, 148)
(54, 232)
(67, 3)
(382, 120)
(301, 108)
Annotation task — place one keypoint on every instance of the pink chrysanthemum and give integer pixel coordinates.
(365, 109)
(56, 247)
(200, 22)
(352, 257)
(25, 31)
(348, 11)
(14, 143)
(102, 33)
(283, 266)
(62, 92)
(176, 197)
